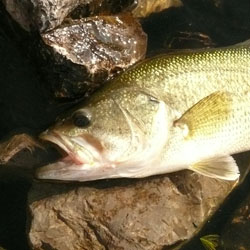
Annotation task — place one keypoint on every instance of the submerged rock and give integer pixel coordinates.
(84, 53)
(123, 214)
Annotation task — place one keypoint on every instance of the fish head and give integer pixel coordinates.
(113, 135)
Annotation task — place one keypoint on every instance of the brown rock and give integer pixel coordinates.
(123, 214)
(83, 54)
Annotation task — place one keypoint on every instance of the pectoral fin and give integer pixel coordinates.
(223, 167)
(207, 116)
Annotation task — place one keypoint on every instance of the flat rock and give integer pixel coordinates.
(123, 214)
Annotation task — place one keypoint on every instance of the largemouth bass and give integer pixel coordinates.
(189, 110)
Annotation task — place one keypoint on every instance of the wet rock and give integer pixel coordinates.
(48, 14)
(41, 15)
(45, 15)
(83, 54)
(123, 214)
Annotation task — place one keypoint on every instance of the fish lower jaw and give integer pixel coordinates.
(65, 170)
(67, 149)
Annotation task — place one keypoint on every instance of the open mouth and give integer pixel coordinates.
(65, 147)
(82, 159)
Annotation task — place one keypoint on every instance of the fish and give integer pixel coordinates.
(182, 110)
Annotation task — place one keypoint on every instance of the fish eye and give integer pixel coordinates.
(81, 118)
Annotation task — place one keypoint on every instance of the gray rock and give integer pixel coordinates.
(123, 214)
(48, 14)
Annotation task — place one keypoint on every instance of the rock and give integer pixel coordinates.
(83, 54)
(48, 14)
(123, 214)
(45, 15)
(41, 15)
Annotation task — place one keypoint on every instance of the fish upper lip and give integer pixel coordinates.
(63, 144)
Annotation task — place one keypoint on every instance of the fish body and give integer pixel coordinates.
(177, 111)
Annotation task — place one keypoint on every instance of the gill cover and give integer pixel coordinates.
(133, 131)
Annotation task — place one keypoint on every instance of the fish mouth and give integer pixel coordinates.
(66, 147)
(82, 158)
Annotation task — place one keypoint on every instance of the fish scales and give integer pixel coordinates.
(183, 110)
(196, 74)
